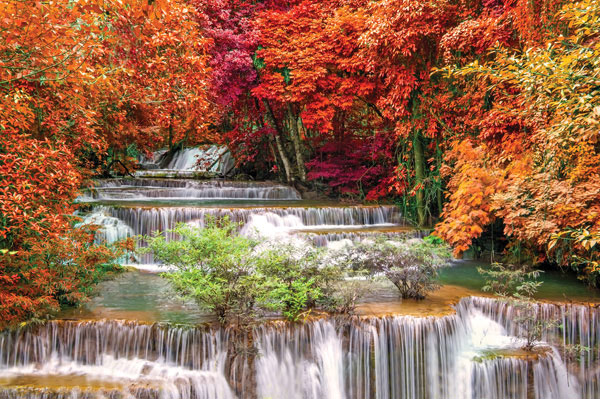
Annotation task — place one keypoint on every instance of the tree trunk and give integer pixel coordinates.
(271, 141)
(273, 152)
(284, 158)
(171, 132)
(293, 124)
(240, 363)
(420, 176)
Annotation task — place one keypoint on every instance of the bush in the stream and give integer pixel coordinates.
(342, 295)
(517, 286)
(411, 265)
(299, 278)
(234, 276)
(213, 265)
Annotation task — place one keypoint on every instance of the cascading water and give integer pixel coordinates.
(128, 207)
(145, 220)
(211, 160)
(468, 355)
(172, 189)
(111, 229)
(326, 238)
(567, 327)
(500, 378)
(268, 221)
(473, 354)
(118, 359)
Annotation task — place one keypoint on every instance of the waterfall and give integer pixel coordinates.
(131, 206)
(188, 158)
(320, 226)
(156, 189)
(128, 378)
(568, 326)
(209, 159)
(325, 239)
(145, 220)
(111, 229)
(552, 380)
(87, 342)
(472, 354)
(134, 360)
(284, 371)
(501, 378)
(467, 355)
(268, 221)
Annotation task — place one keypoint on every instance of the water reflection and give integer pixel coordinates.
(138, 295)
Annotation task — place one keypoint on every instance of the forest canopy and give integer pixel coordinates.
(473, 116)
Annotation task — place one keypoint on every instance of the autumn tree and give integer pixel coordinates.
(158, 90)
(73, 88)
(229, 24)
(537, 148)
(47, 120)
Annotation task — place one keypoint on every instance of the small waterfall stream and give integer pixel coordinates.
(122, 190)
(144, 220)
(468, 355)
(204, 161)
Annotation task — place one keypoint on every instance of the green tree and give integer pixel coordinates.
(517, 286)
(300, 278)
(214, 266)
(234, 276)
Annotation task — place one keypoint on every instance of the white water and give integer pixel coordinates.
(469, 355)
(111, 229)
(136, 377)
(463, 356)
(214, 160)
(149, 219)
(185, 189)
(272, 223)
(320, 226)
(283, 371)
(567, 326)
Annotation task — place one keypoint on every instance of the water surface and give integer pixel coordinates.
(138, 295)
(557, 285)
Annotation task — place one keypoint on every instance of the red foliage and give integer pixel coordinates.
(348, 166)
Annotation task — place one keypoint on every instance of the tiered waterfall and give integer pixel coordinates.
(468, 355)
(471, 354)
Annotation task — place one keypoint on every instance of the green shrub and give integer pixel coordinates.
(214, 266)
(299, 278)
(517, 285)
(233, 276)
(411, 265)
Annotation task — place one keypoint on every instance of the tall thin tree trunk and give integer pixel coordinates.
(273, 152)
(171, 133)
(284, 158)
(420, 176)
(271, 141)
(293, 124)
